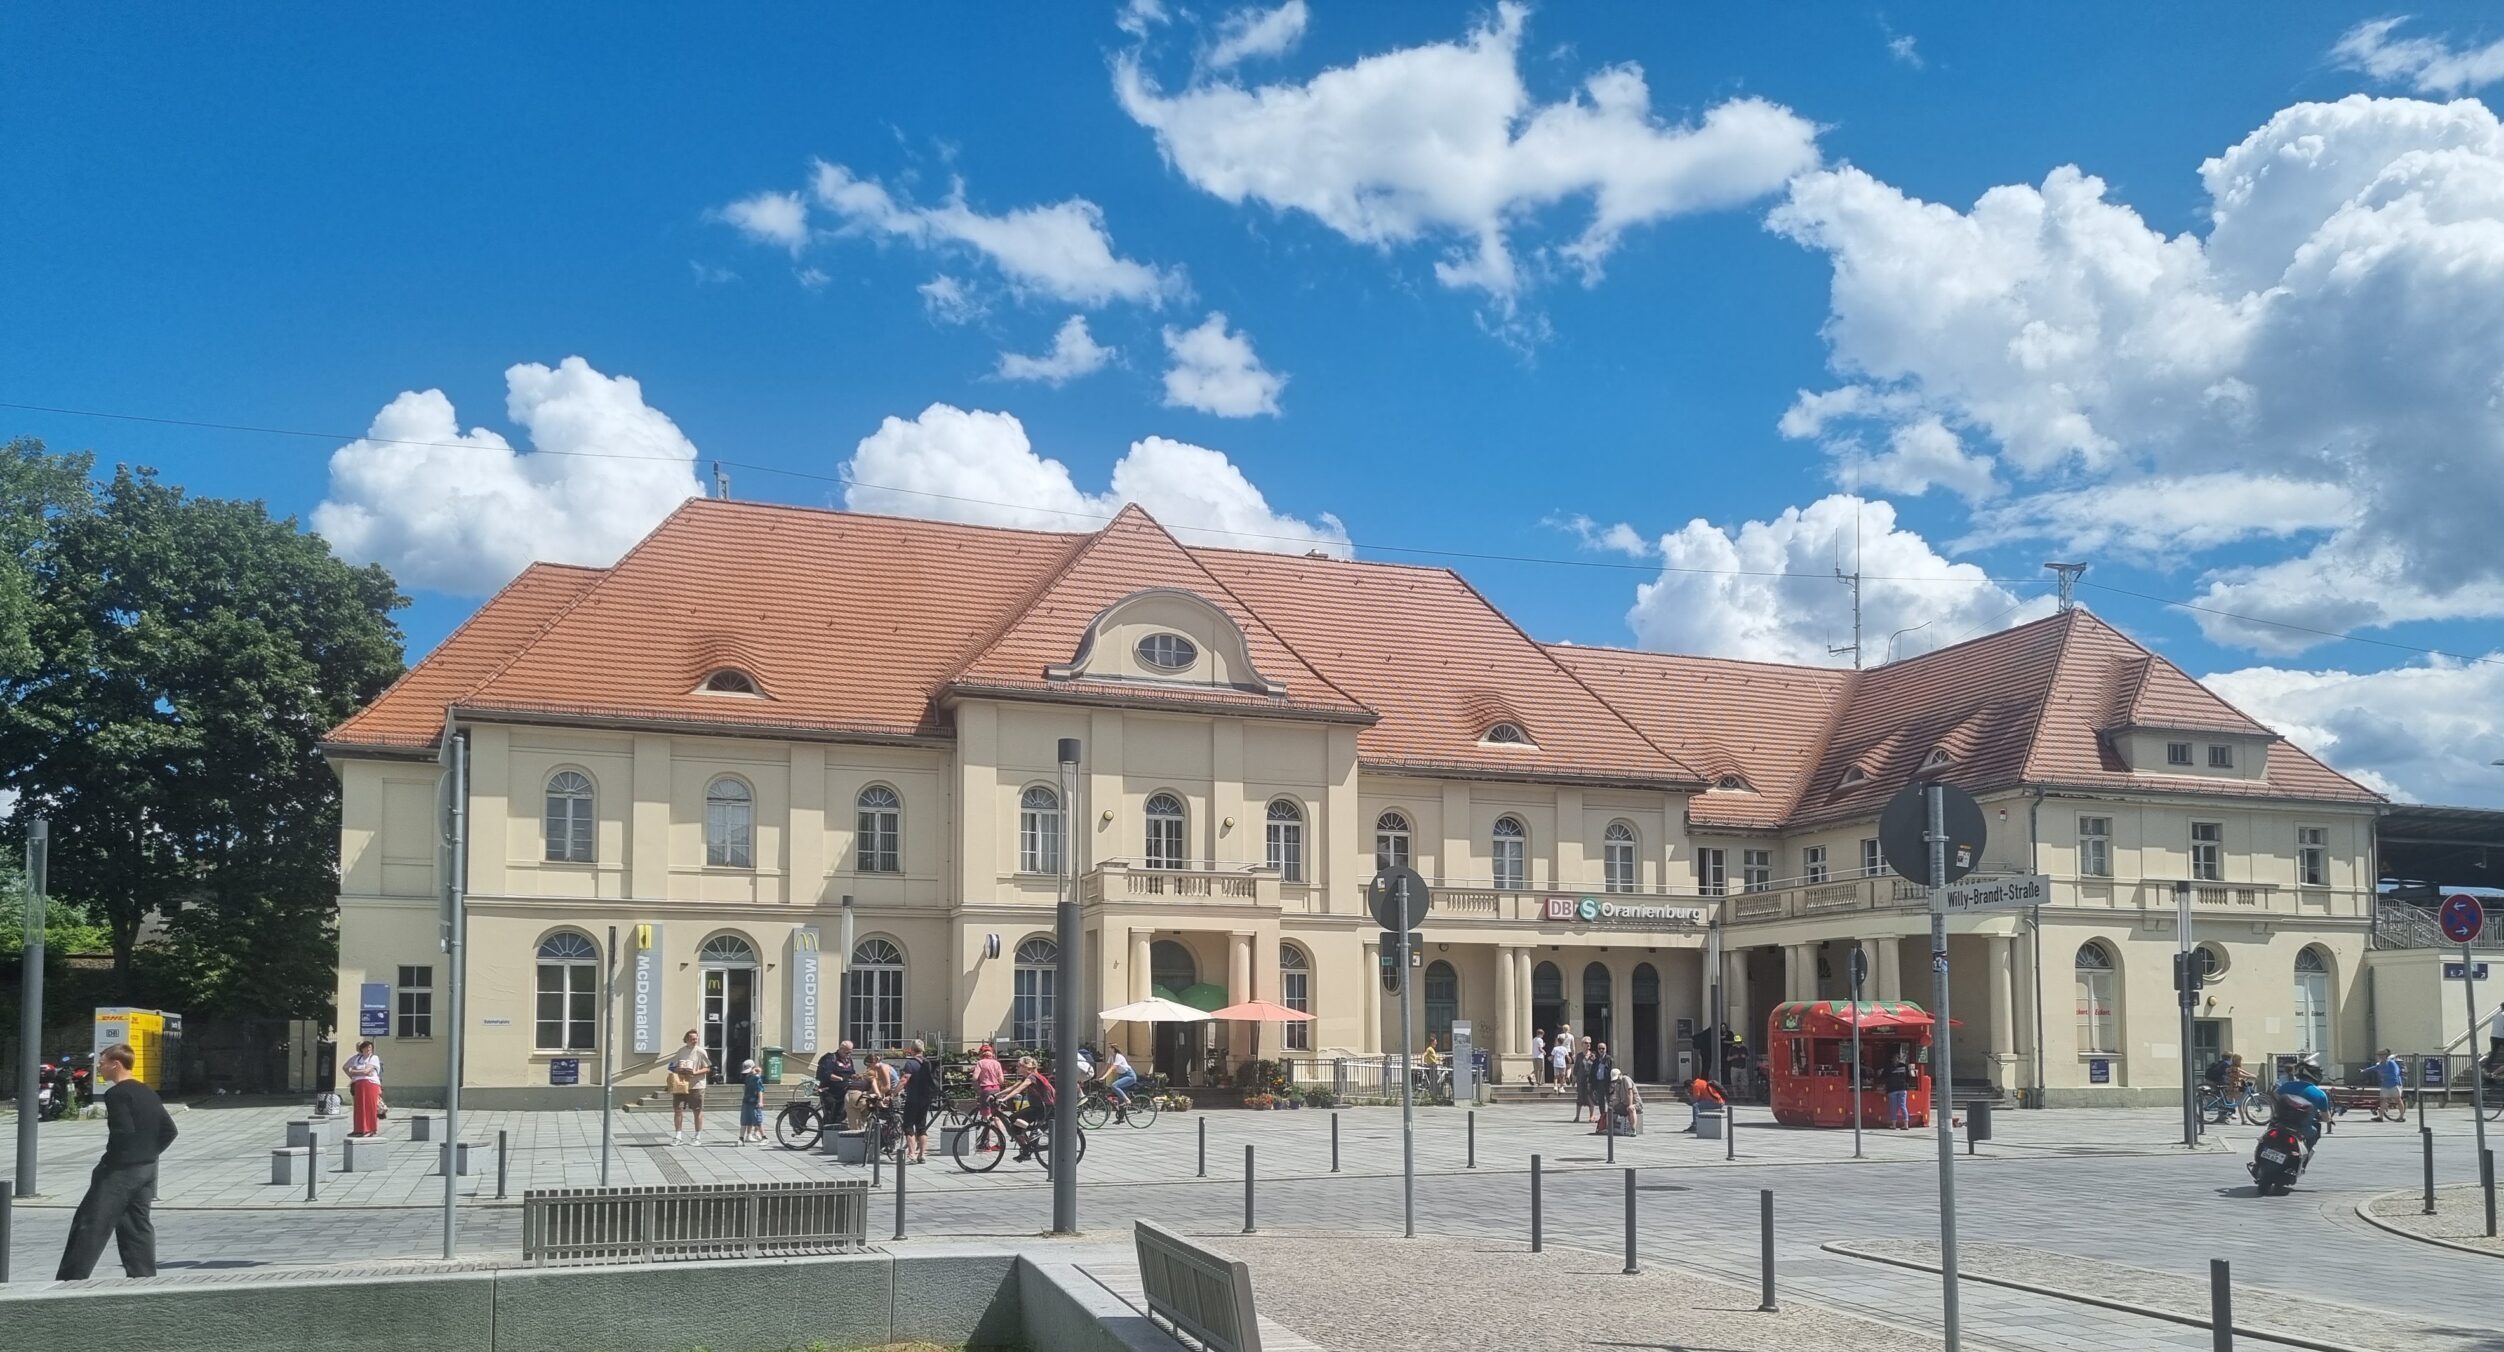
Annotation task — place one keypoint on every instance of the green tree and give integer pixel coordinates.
(189, 653)
(35, 487)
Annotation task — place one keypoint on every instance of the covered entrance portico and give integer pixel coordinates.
(1991, 991)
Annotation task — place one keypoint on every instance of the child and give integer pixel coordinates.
(751, 1103)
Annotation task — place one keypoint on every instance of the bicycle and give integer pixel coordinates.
(2247, 1101)
(802, 1121)
(981, 1147)
(1097, 1106)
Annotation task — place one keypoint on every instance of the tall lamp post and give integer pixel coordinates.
(30, 1012)
(1065, 997)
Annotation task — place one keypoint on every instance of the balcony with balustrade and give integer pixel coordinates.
(1188, 882)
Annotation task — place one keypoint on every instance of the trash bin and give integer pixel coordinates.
(1978, 1120)
(1708, 1122)
(773, 1065)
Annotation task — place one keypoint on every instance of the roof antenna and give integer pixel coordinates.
(2069, 583)
(721, 482)
(1853, 580)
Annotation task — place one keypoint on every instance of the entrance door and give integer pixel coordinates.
(727, 964)
(1646, 1036)
(1179, 1047)
(1595, 1006)
(1547, 1000)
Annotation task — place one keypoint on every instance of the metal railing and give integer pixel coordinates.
(2398, 924)
(575, 1226)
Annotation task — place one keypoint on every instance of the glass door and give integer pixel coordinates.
(729, 1018)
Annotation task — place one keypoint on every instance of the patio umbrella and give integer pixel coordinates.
(1155, 1009)
(1261, 1011)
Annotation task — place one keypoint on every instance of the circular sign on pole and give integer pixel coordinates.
(1398, 899)
(2461, 917)
(1904, 830)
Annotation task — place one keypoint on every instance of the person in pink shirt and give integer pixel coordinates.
(987, 1072)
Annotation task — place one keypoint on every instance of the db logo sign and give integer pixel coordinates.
(1561, 908)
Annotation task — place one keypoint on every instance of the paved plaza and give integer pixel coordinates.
(2085, 1200)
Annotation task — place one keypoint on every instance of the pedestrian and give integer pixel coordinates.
(365, 1091)
(1558, 1052)
(918, 1078)
(2389, 1075)
(1602, 1078)
(690, 1068)
(1897, 1081)
(2495, 1034)
(751, 1103)
(1701, 1091)
(137, 1129)
(1625, 1105)
(1538, 1056)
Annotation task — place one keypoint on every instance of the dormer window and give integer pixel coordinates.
(2220, 757)
(1730, 784)
(1939, 758)
(1168, 652)
(730, 681)
(1852, 775)
(1507, 734)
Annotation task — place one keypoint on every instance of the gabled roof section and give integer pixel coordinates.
(2162, 697)
(1414, 644)
(409, 714)
(851, 622)
(1130, 555)
(1758, 720)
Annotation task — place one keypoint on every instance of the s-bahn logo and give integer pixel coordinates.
(1590, 910)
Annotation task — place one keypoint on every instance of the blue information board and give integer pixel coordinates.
(2433, 1073)
(2099, 1071)
(565, 1070)
(373, 1009)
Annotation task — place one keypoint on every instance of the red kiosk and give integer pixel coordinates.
(1809, 1058)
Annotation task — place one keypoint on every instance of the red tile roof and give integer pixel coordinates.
(1759, 721)
(410, 713)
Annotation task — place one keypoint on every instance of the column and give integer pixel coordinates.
(1890, 968)
(2022, 982)
(1238, 967)
(1999, 971)
(1139, 988)
(1527, 960)
(1507, 1004)
(1735, 992)
(1794, 957)
(1369, 1038)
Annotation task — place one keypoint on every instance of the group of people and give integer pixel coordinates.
(1601, 1088)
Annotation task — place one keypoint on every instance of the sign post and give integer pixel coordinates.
(1399, 904)
(2186, 994)
(30, 1004)
(1859, 965)
(1064, 1029)
(2462, 917)
(608, 1065)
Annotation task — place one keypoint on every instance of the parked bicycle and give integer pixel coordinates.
(997, 1133)
(802, 1121)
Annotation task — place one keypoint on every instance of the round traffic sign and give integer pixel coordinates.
(2461, 917)
(1904, 831)
(1398, 899)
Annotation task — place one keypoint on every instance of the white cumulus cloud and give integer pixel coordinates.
(1444, 142)
(1766, 589)
(1074, 353)
(464, 511)
(2427, 65)
(2427, 732)
(779, 218)
(971, 465)
(1215, 371)
(1617, 537)
(1249, 33)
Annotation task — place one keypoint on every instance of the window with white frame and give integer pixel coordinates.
(1165, 834)
(878, 831)
(568, 993)
(1285, 830)
(874, 995)
(1617, 857)
(2208, 840)
(1039, 830)
(1030, 1005)
(2177, 753)
(1712, 871)
(2312, 1002)
(1873, 861)
(1512, 855)
(1756, 870)
(1391, 841)
(729, 824)
(1813, 863)
(2312, 856)
(2095, 847)
(2099, 995)
(2220, 757)
(567, 822)
(414, 1002)
(1295, 991)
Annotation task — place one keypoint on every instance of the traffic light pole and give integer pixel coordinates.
(2186, 993)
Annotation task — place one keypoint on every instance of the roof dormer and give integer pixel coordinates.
(1165, 636)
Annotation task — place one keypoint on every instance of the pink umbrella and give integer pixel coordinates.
(1261, 1011)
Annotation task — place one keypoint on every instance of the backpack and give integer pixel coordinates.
(326, 1104)
(2217, 1071)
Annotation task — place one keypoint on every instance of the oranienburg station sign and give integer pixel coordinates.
(1594, 911)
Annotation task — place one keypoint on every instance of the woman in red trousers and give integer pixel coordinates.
(365, 1090)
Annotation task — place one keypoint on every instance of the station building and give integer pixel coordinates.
(689, 773)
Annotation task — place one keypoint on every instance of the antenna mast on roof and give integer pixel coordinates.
(2069, 583)
(1853, 580)
(721, 482)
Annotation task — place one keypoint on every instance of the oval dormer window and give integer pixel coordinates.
(1168, 652)
(731, 681)
(1731, 784)
(1509, 734)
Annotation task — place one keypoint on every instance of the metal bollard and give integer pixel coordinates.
(1730, 1131)
(2220, 1307)
(500, 1144)
(1204, 1147)
(1473, 1138)
(1612, 1147)
(312, 1167)
(1535, 1236)
(2425, 1137)
(1765, 1263)
(1334, 1143)
(900, 1172)
(1631, 1266)
(8, 1209)
(1247, 1189)
(2486, 1180)
(877, 1156)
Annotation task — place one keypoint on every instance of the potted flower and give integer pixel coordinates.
(1319, 1097)
(1259, 1102)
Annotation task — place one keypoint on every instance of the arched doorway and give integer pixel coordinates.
(727, 966)
(1547, 1000)
(1595, 1004)
(1179, 1047)
(1645, 1063)
(1443, 1003)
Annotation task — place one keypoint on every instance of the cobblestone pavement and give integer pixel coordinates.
(2460, 1216)
(2068, 1184)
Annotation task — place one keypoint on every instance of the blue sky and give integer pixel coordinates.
(1354, 276)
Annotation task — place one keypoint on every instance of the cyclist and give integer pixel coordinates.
(1033, 1090)
(2230, 1078)
(835, 1073)
(1118, 1079)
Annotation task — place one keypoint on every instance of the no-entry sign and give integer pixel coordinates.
(2461, 917)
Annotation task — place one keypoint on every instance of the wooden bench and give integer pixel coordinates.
(1203, 1295)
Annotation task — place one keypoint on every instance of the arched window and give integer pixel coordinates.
(727, 950)
(1507, 734)
(569, 993)
(877, 831)
(1617, 857)
(1171, 970)
(2099, 1002)
(873, 996)
(1030, 1011)
(568, 820)
(1597, 990)
(1286, 839)
(1391, 841)
(729, 824)
(1165, 848)
(2312, 1002)
(1168, 652)
(731, 681)
(1443, 1002)
(1295, 991)
(1512, 855)
(1039, 831)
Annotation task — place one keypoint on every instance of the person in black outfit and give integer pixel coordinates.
(835, 1075)
(137, 1131)
(1603, 1073)
(921, 1094)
